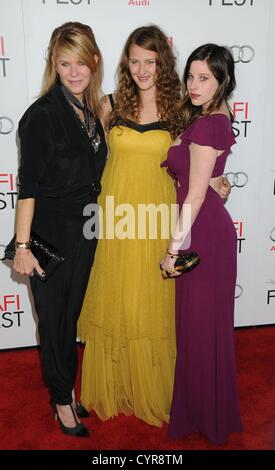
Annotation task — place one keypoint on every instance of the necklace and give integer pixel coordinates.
(89, 125)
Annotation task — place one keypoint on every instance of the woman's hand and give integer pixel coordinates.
(221, 185)
(25, 263)
(224, 188)
(168, 264)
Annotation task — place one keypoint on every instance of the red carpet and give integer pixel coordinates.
(27, 420)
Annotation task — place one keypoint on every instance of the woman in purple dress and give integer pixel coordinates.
(205, 395)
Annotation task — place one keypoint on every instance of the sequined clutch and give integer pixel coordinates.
(183, 264)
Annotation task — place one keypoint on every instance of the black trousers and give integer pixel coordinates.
(58, 301)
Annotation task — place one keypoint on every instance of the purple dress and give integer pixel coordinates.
(205, 395)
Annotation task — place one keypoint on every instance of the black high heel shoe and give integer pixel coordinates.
(81, 411)
(79, 430)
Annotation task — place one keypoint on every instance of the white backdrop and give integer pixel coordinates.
(244, 25)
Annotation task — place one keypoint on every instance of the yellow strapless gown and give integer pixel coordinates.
(127, 318)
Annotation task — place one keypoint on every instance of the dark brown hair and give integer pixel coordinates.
(220, 61)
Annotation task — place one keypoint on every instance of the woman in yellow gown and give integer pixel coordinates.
(128, 314)
(127, 318)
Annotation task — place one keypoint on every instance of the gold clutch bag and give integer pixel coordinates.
(184, 263)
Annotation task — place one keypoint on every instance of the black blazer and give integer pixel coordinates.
(57, 157)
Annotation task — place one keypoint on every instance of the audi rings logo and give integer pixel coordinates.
(239, 179)
(244, 54)
(6, 125)
(238, 291)
(272, 235)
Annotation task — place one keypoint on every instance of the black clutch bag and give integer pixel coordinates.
(187, 262)
(183, 264)
(45, 253)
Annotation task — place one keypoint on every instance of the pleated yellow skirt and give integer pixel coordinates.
(127, 319)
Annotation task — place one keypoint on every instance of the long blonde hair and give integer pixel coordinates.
(168, 85)
(77, 39)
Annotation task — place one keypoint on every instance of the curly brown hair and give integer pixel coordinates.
(168, 85)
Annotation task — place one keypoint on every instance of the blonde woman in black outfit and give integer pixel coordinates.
(63, 152)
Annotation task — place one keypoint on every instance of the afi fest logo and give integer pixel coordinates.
(3, 58)
(241, 118)
(239, 226)
(8, 191)
(231, 3)
(243, 54)
(6, 125)
(10, 311)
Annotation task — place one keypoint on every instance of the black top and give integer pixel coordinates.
(57, 157)
(151, 126)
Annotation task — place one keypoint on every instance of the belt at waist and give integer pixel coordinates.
(73, 202)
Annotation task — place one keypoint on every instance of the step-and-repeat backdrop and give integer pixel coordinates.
(243, 25)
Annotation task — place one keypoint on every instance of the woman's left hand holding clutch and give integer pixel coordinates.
(167, 266)
(25, 263)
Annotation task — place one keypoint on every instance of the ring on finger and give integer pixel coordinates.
(164, 274)
(171, 271)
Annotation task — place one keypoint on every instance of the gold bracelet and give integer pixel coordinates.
(172, 255)
(24, 245)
